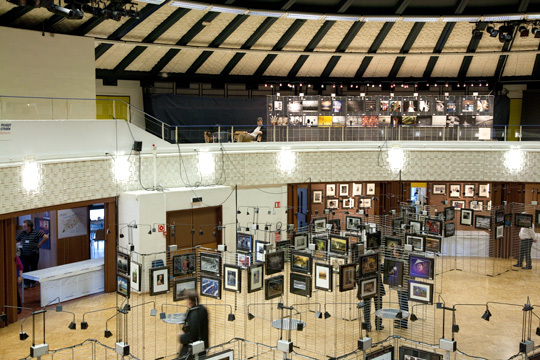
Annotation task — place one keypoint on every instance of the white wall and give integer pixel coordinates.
(53, 65)
(126, 88)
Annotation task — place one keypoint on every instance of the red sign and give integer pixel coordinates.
(161, 227)
(277, 236)
(277, 204)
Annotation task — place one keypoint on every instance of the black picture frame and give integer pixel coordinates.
(421, 292)
(368, 288)
(222, 355)
(211, 286)
(181, 286)
(123, 285)
(255, 278)
(421, 267)
(301, 262)
(380, 354)
(523, 220)
(449, 229)
(433, 226)
(159, 280)
(347, 275)
(275, 262)
(393, 242)
(300, 240)
(273, 287)
(466, 217)
(449, 213)
(482, 222)
(369, 264)
(537, 217)
(244, 242)
(210, 264)
(412, 353)
(122, 263)
(393, 272)
(499, 217)
(353, 223)
(184, 264)
(373, 240)
(324, 277)
(135, 270)
(319, 224)
(321, 243)
(338, 244)
(417, 241)
(300, 284)
(260, 251)
(232, 278)
(433, 244)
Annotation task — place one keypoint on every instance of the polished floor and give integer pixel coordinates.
(151, 338)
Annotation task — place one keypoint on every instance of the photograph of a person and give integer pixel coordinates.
(184, 264)
(348, 203)
(255, 278)
(421, 267)
(244, 242)
(455, 190)
(159, 280)
(356, 189)
(469, 190)
(260, 252)
(183, 286)
(483, 190)
(232, 278)
(330, 189)
(393, 272)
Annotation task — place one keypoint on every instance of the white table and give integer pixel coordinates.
(69, 281)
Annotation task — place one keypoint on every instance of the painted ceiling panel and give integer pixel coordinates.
(314, 65)
(181, 27)
(519, 65)
(148, 58)
(106, 28)
(35, 18)
(489, 43)
(334, 36)
(428, 37)
(248, 64)
(413, 66)
(281, 65)
(303, 36)
(526, 43)
(182, 61)
(216, 62)
(210, 32)
(67, 26)
(365, 37)
(393, 42)
(447, 66)
(459, 39)
(146, 27)
(112, 57)
(5, 7)
(380, 66)
(483, 65)
(272, 36)
(347, 66)
(243, 32)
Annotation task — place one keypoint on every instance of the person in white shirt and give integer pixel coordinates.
(248, 137)
(526, 236)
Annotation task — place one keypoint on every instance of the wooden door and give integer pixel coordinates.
(192, 227)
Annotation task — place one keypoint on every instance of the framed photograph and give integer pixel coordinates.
(323, 277)
(458, 204)
(343, 189)
(330, 190)
(476, 205)
(392, 243)
(417, 242)
(469, 190)
(500, 232)
(319, 224)
(122, 285)
(317, 196)
(439, 189)
(364, 203)
(466, 217)
(415, 226)
(449, 213)
(433, 226)
(339, 244)
(353, 223)
(348, 203)
(421, 267)
(369, 264)
(370, 189)
(507, 220)
(232, 278)
(184, 264)
(482, 222)
(356, 189)
(301, 262)
(333, 225)
(332, 203)
(373, 240)
(368, 288)
(211, 287)
(210, 264)
(393, 272)
(499, 217)
(433, 244)
(337, 261)
(159, 280)
(260, 251)
(300, 284)
(273, 287)
(420, 292)
(222, 355)
(122, 263)
(244, 242)
(347, 274)
(483, 190)
(449, 229)
(255, 278)
(455, 190)
(135, 276)
(275, 262)
(523, 220)
(321, 243)
(300, 241)
(407, 353)
(182, 286)
(243, 260)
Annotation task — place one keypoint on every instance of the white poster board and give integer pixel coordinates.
(72, 222)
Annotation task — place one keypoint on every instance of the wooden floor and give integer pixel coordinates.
(498, 338)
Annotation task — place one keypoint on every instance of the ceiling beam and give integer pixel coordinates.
(523, 5)
(330, 67)
(287, 4)
(411, 38)
(344, 6)
(402, 6)
(380, 37)
(473, 45)
(10, 16)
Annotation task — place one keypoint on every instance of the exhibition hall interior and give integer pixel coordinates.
(329, 179)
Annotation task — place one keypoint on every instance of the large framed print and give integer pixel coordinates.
(415, 226)
(433, 226)
(369, 264)
(255, 278)
(500, 231)
(476, 205)
(317, 196)
(300, 284)
(300, 241)
(455, 190)
(499, 217)
(523, 220)
(406, 353)
(449, 213)
(323, 277)
(301, 262)
(433, 244)
(260, 251)
(420, 292)
(449, 229)
(393, 272)
(321, 243)
(466, 217)
(159, 280)
(339, 244)
(347, 274)
(210, 264)
(347, 203)
(330, 190)
(386, 353)
(122, 263)
(417, 242)
(373, 240)
(482, 222)
(182, 286)
(244, 242)
(211, 287)
(439, 189)
(332, 203)
(370, 189)
(356, 189)
(458, 204)
(353, 223)
(184, 264)
(469, 190)
(222, 355)
(273, 287)
(135, 278)
(364, 203)
(368, 288)
(393, 243)
(275, 262)
(232, 278)
(243, 260)
(483, 190)
(122, 285)
(319, 224)
(421, 267)
(343, 189)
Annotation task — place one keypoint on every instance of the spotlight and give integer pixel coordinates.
(300, 326)
(247, 213)
(523, 31)
(107, 333)
(413, 317)
(505, 33)
(318, 315)
(192, 231)
(266, 227)
(487, 315)
(247, 228)
(238, 212)
(536, 32)
(455, 328)
(72, 325)
(326, 315)
(399, 315)
(250, 316)
(538, 331)
(364, 326)
(231, 317)
(121, 235)
(200, 232)
(153, 312)
(213, 234)
(23, 336)
(149, 232)
(84, 325)
(492, 31)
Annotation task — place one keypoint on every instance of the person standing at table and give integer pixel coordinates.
(29, 240)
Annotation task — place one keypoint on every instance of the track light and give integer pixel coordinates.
(149, 232)
(23, 336)
(247, 228)
(300, 324)
(250, 316)
(318, 315)
(413, 317)
(455, 328)
(231, 317)
(121, 235)
(200, 232)
(107, 333)
(536, 32)
(326, 315)
(492, 31)
(538, 331)
(153, 312)
(399, 315)
(84, 325)
(72, 325)
(523, 31)
(487, 314)
(247, 213)
(238, 212)
(213, 234)
(505, 33)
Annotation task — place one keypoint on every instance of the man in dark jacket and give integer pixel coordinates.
(195, 327)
